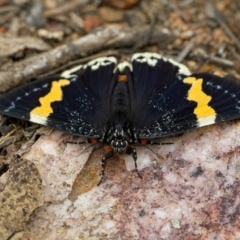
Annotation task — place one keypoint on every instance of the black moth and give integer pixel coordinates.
(124, 104)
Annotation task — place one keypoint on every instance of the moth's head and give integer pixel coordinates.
(119, 144)
(119, 139)
(119, 133)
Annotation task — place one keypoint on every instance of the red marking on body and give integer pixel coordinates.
(143, 141)
(107, 148)
(122, 78)
(93, 140)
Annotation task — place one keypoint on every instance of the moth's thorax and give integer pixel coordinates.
(120, 103)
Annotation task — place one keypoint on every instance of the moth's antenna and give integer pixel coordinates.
(154, 143)
(87, 147)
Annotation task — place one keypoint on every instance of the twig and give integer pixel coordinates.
(111, 37)
(5, 9)
(217, 60)
(67, 7)
(144, 41)
(220, 61)
(185, 51)
(234, 53)
(220, 19)
(81, 61)
(175, 8)
(7, 139)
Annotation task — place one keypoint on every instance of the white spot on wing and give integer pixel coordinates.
(94, 64)
(12, 106)
(206, 121)
(146, 58)
(103, 61)
(69, 73)
(38, 119)
(152, 59)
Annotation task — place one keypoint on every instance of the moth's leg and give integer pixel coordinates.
(159, 143)
(90, 140)
(132, 151)
(147, 141)
(108, 154)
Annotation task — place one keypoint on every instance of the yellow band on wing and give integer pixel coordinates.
(55, 94)
(205, 114)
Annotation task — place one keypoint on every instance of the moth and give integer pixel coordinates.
(127, 103)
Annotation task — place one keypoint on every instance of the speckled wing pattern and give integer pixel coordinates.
(74, 101)
(165, 98)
